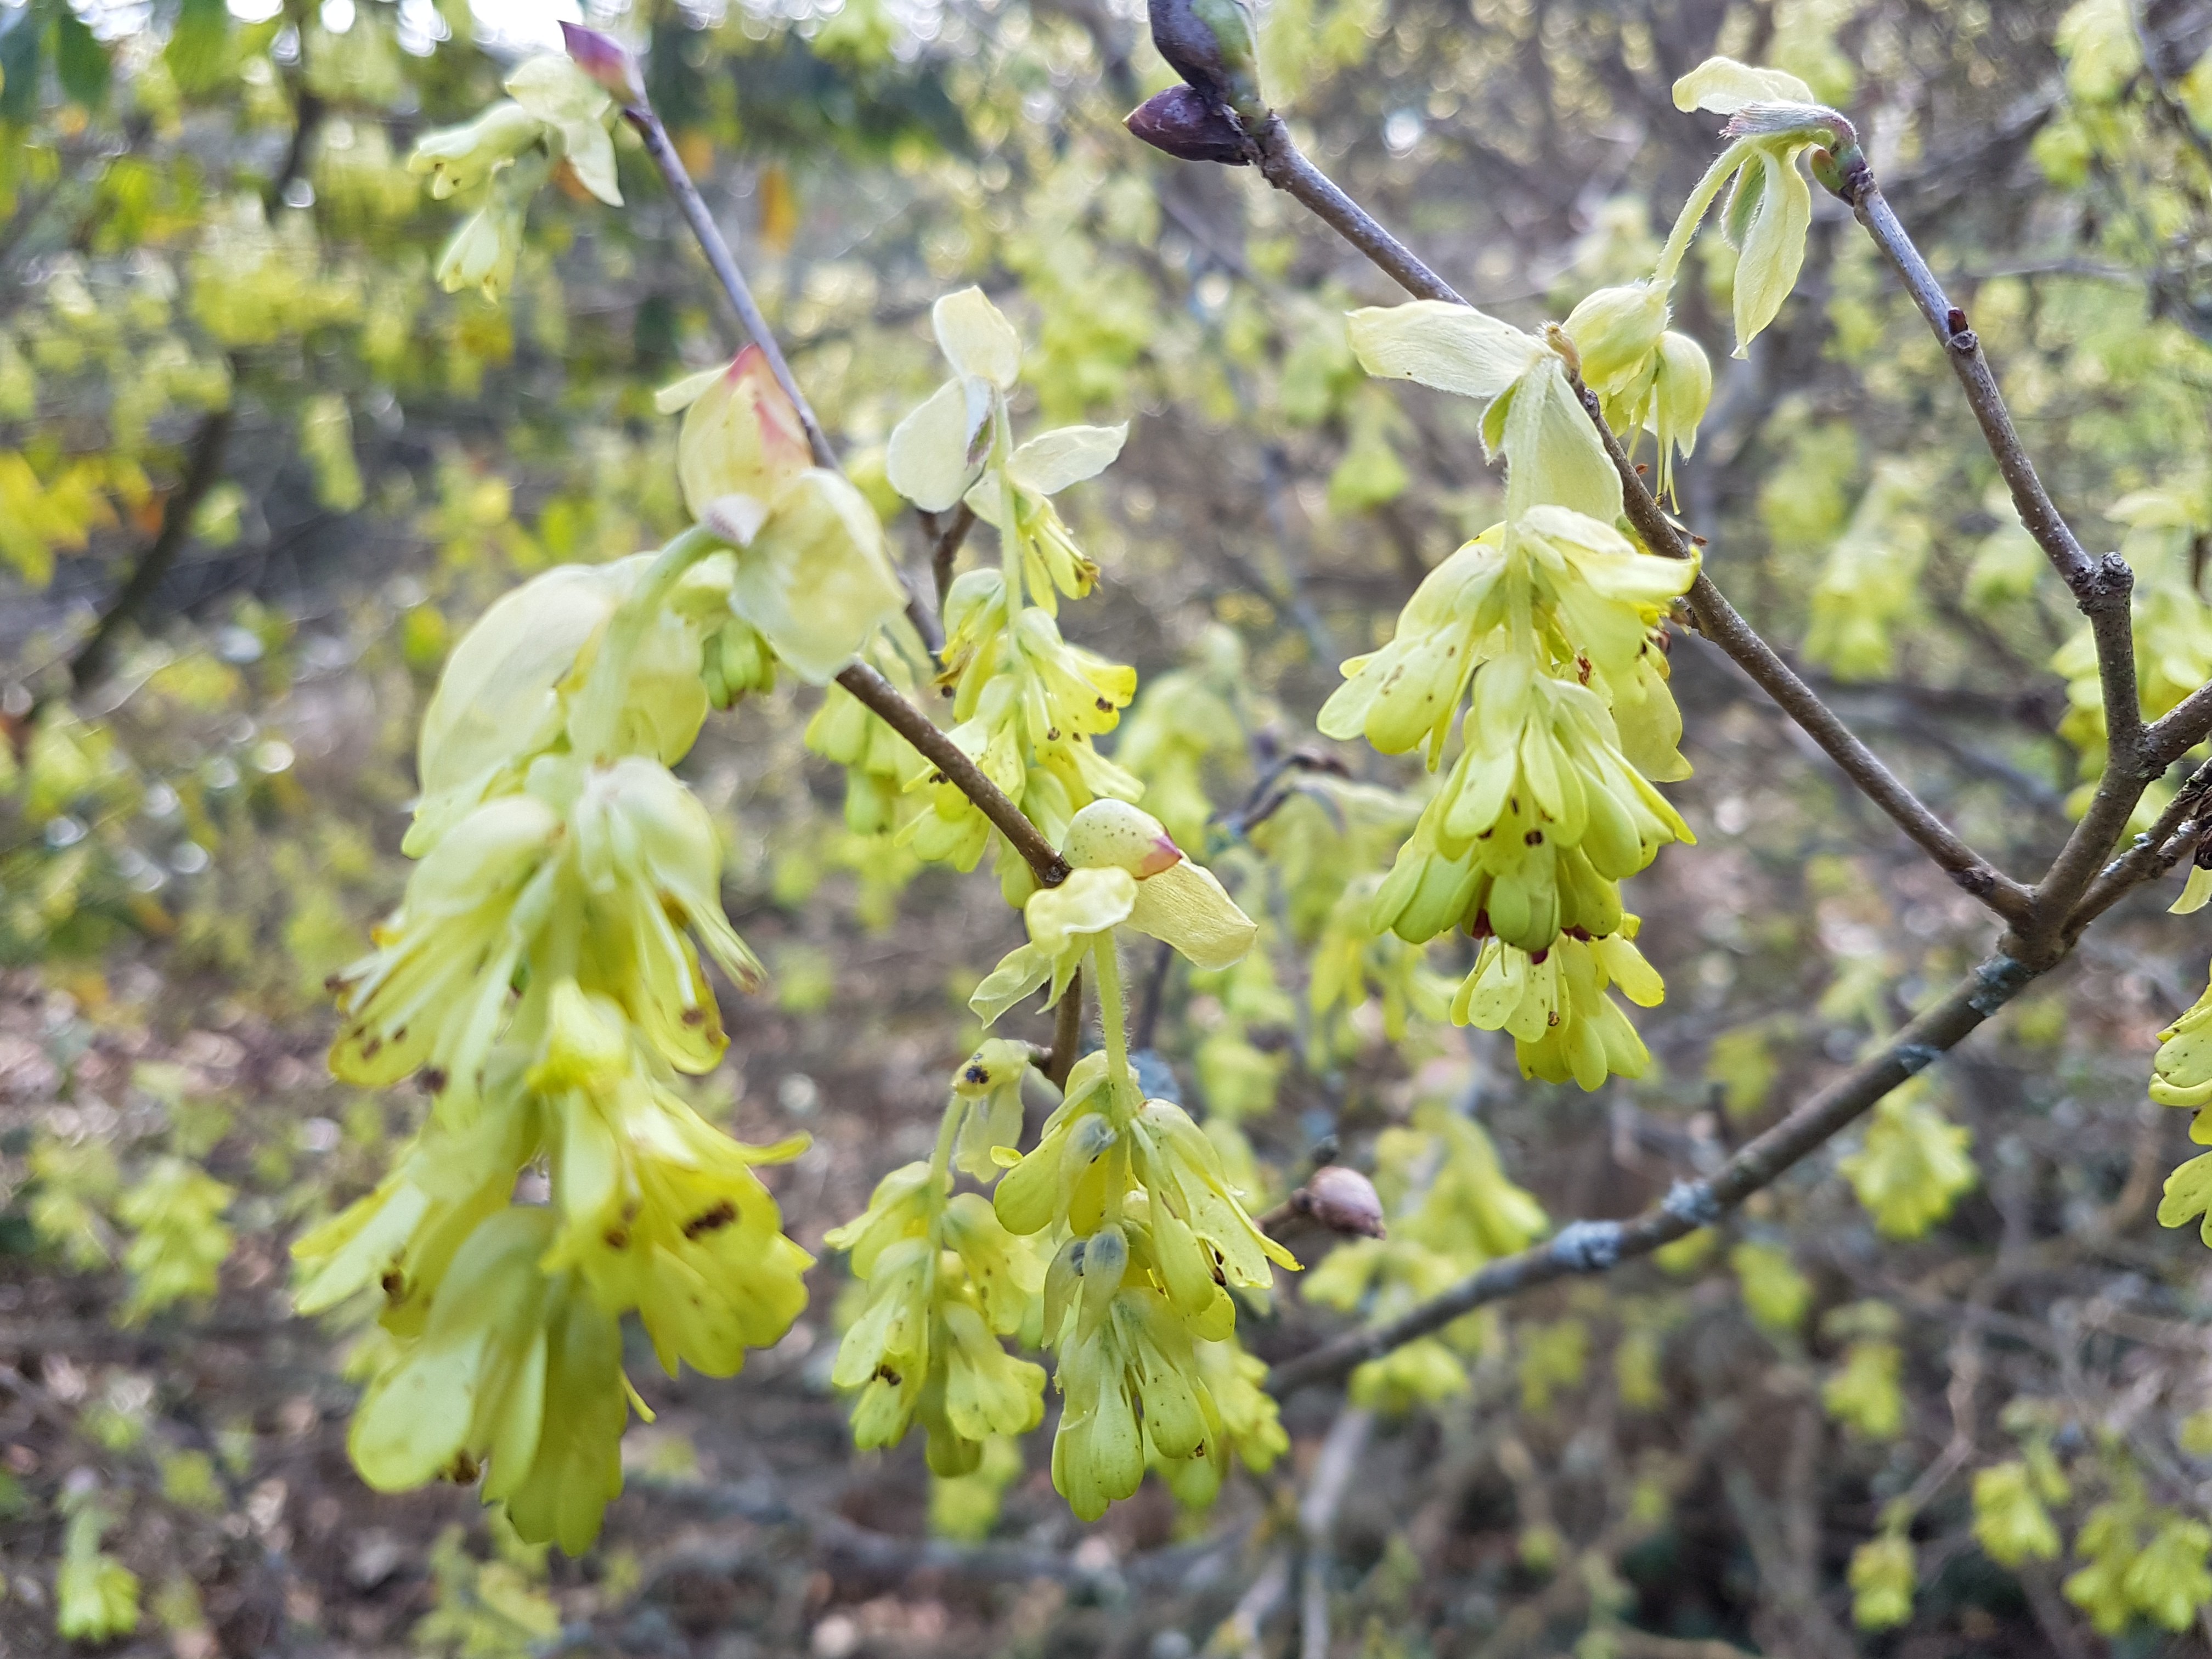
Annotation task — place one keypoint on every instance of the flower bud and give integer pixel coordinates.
(1343, 1201)
(741, 435)
(587, 1044)
(1616, 329)
(1184, 123)
(1213, 45)
(481, 253)
(1110, 834)
(606, 61)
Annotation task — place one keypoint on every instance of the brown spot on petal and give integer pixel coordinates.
(713, 1220)
(432, 1080)
(885, 1374)
(694, 1016)
(616, 1238)
(1534, 838)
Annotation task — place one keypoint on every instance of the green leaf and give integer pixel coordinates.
(1743, 204)
(1773, 245)
(80, 60)
(22, 36)
(196, 53)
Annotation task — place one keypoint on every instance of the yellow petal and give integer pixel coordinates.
(1051, 461)
(1723, 86)
(1185, 906)
(1088, 903)
(976, 337)
(1451, 348)
(932, 453)
(816, 581)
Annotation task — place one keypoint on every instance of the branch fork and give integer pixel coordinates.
(2042, 922)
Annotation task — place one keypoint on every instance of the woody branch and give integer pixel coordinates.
(2043, 922)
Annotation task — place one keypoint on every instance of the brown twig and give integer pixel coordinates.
(202, 468)
(1720, 622)
(1285, 167)
(945, 547)
(639, 114)
(1588, 1247)
(956, 767)
(864, 682)
(2179, 731)
(2156, 850)
(2103, 588)
(1066, 1033)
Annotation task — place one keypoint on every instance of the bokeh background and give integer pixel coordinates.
(256, 472)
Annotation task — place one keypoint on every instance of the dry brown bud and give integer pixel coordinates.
(1344, 1201)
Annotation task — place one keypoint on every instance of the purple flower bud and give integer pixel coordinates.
(1181, 122)
(1344, 1201)
(606, 61)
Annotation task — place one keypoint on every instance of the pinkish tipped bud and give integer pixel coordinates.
(1111, 834)
(1183, 123)
(607, 61)
(1343, 1201)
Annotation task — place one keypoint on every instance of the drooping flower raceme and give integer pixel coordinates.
(1027, 704)
(1774, 120)
(1148, 1236)
(544, 976)
(945, 1280)
(1553, 622)
(1549, 807)
(554, 115)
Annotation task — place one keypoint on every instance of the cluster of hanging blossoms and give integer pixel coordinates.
(1117, 1242)
(1543, 640)
(544, 982)
(1147, 1235)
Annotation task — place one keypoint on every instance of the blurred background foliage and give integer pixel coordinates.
(1944, 1391)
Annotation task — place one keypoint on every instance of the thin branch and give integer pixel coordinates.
(1333, 1471)
(946, 548)
(1285, 167)
(956, 767)
(202, 468)
(641, 114)
(1963, 346)
(953, 763)
(2156, 852)
(1066, 1033)
(1719, 622)
(1591, 1246)
(2102, 588)
(2179, 731)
